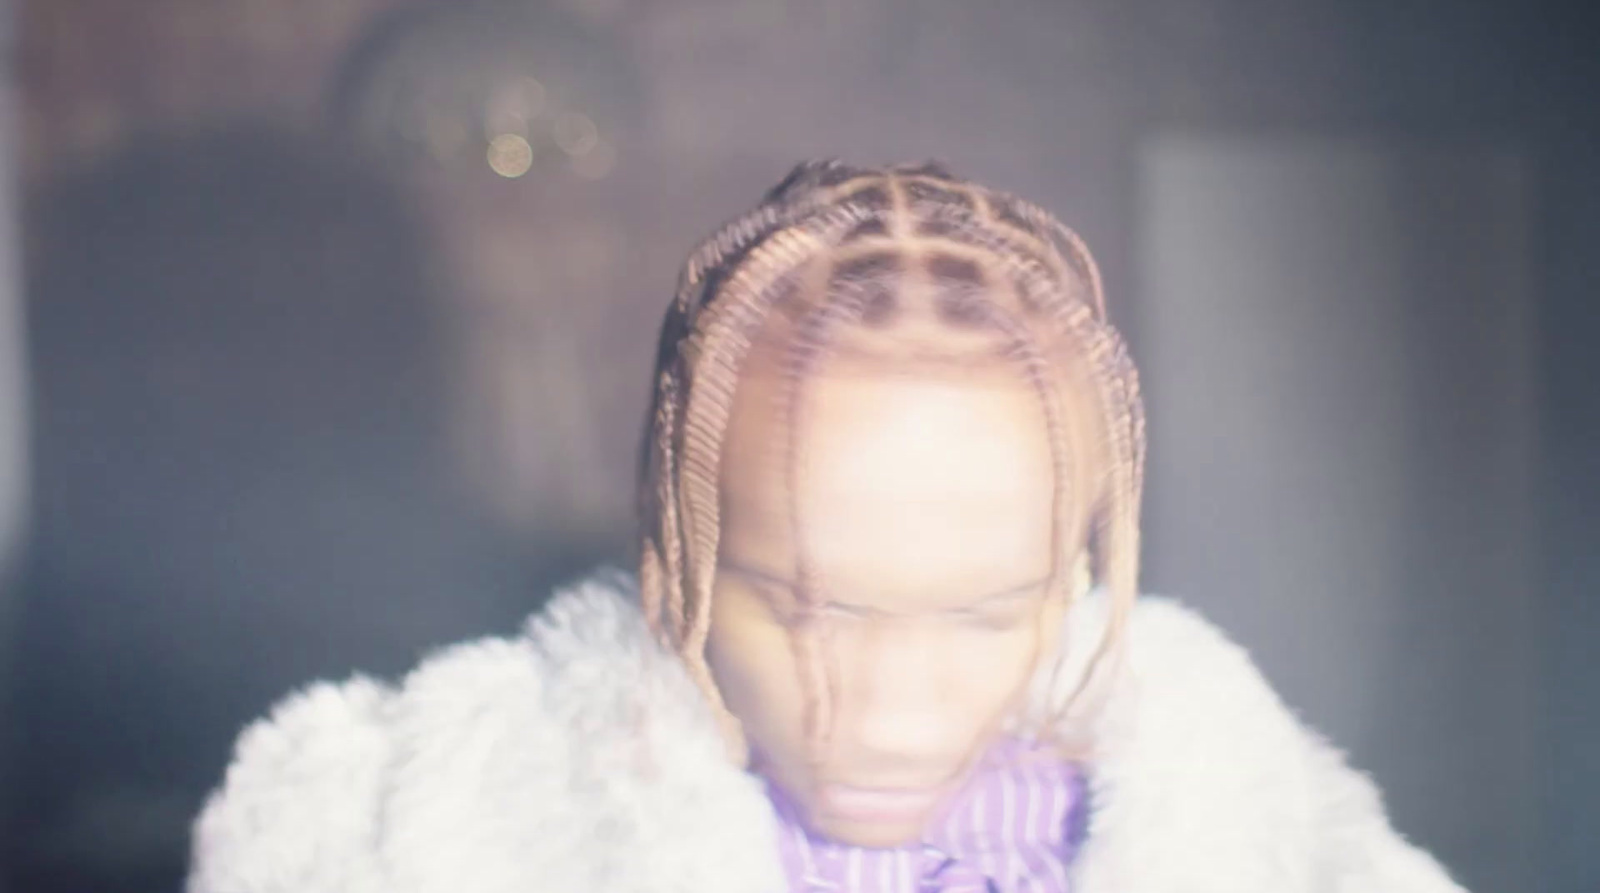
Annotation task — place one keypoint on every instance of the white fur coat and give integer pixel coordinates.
(579, 757)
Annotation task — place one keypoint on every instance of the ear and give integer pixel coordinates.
(1081, 576)
(1078, 579)
(733, 735)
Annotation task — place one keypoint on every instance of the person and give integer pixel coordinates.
(884, 635)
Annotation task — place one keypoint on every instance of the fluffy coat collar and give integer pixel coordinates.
(578, 756)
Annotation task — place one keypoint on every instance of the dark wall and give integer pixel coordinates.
(1570, 431)
(240, 477)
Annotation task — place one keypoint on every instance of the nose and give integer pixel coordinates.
(899, 711)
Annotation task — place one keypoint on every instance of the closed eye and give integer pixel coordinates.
(1000, 611)
(853, 612)
(1004, 611)
(1003, 618)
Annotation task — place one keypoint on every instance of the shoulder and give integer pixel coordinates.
(300, 778)
(1189, 672)
(310, 785)
(1174, 673)
(1199, 758)
(507, 760)
(1193, 756)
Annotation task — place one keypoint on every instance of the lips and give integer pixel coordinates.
(858, 804)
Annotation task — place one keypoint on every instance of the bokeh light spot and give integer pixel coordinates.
(576, 134)
(510, 156)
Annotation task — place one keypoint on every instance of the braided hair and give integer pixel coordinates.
(830, 254)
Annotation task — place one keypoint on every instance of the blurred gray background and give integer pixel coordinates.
(325, 328)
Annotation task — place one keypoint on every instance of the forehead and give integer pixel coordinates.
(898, 488)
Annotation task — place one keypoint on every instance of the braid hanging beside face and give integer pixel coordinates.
(831, 249)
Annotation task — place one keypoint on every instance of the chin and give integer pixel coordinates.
(873, 835)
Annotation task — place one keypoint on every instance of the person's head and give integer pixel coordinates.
(893, 437)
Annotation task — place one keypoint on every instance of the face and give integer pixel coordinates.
(922, 507)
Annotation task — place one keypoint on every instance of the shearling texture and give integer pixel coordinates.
(579, 756)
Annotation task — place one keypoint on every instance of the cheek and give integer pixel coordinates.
(992, 666)
(753, 664)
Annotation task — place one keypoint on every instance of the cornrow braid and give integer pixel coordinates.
(1002, 271)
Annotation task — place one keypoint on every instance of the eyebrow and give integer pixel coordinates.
(776, 581)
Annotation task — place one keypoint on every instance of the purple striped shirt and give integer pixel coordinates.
(1014, 827)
